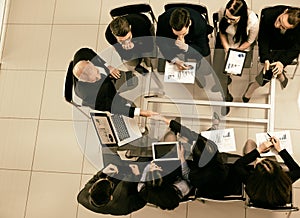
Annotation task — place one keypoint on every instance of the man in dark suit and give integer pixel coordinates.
(131, 36)
(186, 31)
(94, 85)
(112, 191)
(278, 43)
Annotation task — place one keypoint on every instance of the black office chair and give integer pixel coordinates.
(70, 83)
(288, 208)
(200, 8)
(135, 9)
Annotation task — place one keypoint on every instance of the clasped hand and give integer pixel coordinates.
(277, 67)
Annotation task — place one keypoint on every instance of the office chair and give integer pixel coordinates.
(70, 83)
(147, 12)
(288, 208)
(200, 8)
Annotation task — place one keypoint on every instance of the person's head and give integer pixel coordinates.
(101, 192)
(121, 29)
(86, 71)
(289, 19)
(268, 186)
(236, 13)
(83, 68)
(180, 21)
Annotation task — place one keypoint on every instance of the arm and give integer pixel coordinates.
(240, 166)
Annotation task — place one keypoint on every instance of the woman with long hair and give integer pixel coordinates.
(266, 183)
(238, 29)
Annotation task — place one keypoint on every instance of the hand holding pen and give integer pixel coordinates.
(275, 142)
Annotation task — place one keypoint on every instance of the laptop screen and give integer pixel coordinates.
(165, 150)
(235, 61)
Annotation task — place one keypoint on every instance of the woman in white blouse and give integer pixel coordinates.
(238, 29)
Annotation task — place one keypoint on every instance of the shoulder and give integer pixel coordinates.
(252, 17)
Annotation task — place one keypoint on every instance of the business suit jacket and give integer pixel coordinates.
(142, 37)
(125, 197)
(101, 95)
(211, 175)
(196, 38)
(273, 45)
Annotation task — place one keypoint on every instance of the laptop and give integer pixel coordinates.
(165, 151)
(115, 129)
(235, 62)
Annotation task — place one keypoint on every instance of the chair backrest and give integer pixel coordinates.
(133, 9)
(197, 7)
(70, 82)
(288, 207)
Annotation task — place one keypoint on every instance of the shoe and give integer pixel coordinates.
(229, 81)
(141, 69)
(284, 82)
(228, 97)
(225, 111)
(246, 100)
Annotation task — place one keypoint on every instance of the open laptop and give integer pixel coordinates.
(165, 151)
(115, 129)
(235, 62)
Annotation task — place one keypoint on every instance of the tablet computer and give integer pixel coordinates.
(164, 151)
(235, 62)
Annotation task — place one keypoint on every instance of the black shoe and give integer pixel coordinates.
(228, 97)
(284, 82)
(225, 111)
(141, 69)
(246, 100)
(229, 81)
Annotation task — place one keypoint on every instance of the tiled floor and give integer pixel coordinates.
(42, 166)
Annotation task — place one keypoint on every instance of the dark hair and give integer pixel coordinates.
(268, 185)
(237, 8)
(120, 26)
(100, 192)
(154, 178)
(293, 16)
(180, 18)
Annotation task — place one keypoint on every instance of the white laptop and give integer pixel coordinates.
(235, 62)
(115, 129)
(165, 151)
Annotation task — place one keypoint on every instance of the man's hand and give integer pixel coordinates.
(182, 45)
(128, 45)
(144, 113)
(114, 72)
(135, 169)
(181, 66)
(160, 118)
(277, 68)
(111, 169)
(276, 143)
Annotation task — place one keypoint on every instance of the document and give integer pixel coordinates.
(283, 136)
(224, 139)
(174, 75)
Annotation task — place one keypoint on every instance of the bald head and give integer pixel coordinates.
(86, 71)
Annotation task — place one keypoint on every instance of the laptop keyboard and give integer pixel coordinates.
(120, 126)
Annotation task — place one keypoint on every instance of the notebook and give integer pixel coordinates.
(235, 62)
(165, 151)
(115, 129)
